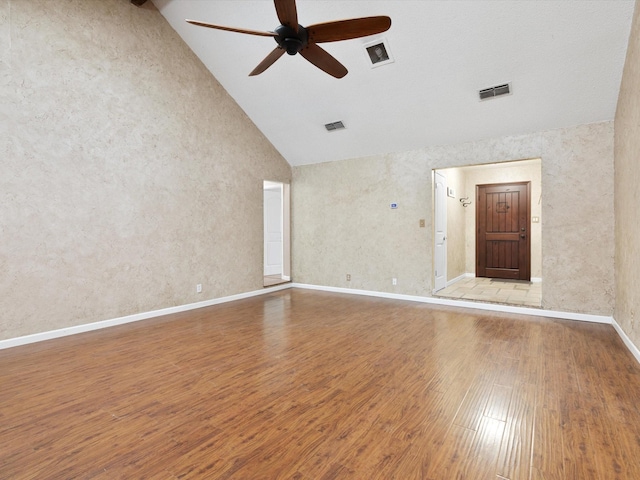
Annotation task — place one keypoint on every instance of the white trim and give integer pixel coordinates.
(627, 341)
(63, 332)
(458, 278)
(87, 327)
(538, 312)
(439, 225)
(536, 280)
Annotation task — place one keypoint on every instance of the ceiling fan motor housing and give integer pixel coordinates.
(291, 40)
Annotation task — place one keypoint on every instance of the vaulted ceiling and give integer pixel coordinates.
(563, 59)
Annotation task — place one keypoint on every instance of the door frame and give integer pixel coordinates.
(439, 249)
(285, 226)
(273, 216)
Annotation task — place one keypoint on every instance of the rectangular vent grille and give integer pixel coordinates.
(334, 126)
(496, 91)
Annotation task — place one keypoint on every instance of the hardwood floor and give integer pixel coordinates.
(313, 385)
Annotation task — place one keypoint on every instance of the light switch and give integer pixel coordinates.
(422, 223)
(535, 219)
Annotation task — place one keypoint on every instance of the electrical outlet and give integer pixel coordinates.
(199, 288)
(394, 281)
(348, 277)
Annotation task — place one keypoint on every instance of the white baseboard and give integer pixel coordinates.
(458, 278)
(38, 337)
(63, 332)
(538, 312)
(627, 341)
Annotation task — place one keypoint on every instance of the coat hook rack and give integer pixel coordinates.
(465, 202)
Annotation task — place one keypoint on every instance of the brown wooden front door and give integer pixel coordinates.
(503, 245)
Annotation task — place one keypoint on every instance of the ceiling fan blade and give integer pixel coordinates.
(268, 61)
(287, 13)
(323, 60)
(348, 29)
(231, 29)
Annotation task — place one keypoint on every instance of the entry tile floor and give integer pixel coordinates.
(494, 290)
(270, 280)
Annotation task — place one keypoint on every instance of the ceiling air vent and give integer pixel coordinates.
(334, 126)
(496, 91)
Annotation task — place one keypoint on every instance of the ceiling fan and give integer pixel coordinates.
(294, 38)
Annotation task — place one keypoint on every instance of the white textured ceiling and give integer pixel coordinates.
(563, 58)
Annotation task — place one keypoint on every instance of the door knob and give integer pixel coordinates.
(522, 235)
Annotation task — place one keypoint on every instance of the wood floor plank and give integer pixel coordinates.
(516, 449)
(580, 454)
(497, 406)
(302, 384)
(473, 406)
(448, 461)
(548, 447)
(481, 461)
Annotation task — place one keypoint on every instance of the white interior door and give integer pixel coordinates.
(273, 246)
(440, 227)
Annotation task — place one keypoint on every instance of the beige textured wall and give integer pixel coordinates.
(528, 170)
(627, 195)
(128, 173)
(343, 224)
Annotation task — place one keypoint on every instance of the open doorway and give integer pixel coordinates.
(463, 279)
(277, 245)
